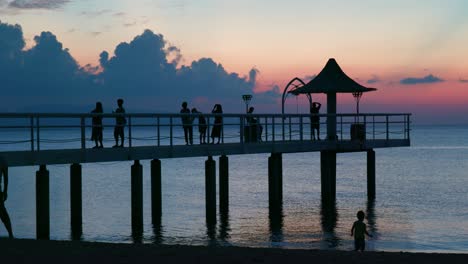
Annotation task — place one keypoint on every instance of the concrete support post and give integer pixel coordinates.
(210, 190)
(42, 203)
(137, 196)
(275, 181)
(76, 201)
(223, 184)
(156, 194)
(371, 174)
(328, 176)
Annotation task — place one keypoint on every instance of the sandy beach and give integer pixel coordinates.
(34, 251)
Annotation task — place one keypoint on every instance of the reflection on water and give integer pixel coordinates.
(224, 227)
(329, 219)
(275, 216)
(371, 217)
(158, 237)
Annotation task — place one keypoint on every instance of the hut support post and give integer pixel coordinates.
(42, 203)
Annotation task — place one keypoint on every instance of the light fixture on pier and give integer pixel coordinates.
(357, 96)
(246, 98)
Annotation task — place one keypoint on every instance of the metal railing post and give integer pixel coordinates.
(170, 131)
(32, 132)
(38, 140)
(83, 132)
(341, 127)
(159, 131)
(129, 131)
(365, 127)
(386, 120)
(241, 120)
(282, 128)
(290, 128)
(301, 135)
(266, 128)
(273, 128)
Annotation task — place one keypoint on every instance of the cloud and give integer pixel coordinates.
(145, 71)
(463, 80)
(427, 80)
(38, 4)
(374, 79)
(93, 14)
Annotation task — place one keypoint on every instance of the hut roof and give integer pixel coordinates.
(331, 79)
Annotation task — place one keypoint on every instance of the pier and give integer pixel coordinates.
(41, 139)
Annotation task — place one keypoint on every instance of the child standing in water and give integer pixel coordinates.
(358, 230)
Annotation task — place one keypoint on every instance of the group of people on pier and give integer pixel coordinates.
(120, 122)
(187, 124)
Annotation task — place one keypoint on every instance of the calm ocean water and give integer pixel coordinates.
(421, 205)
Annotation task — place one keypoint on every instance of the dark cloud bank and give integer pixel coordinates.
(143, 71)
(424, 80)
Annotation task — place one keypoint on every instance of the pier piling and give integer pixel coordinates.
(328, 176)
(137, 196)
(275, 180)
(371, 174)
(223, 184)
(42, 203)
(76, 201)
(156, 194)
(210, 190)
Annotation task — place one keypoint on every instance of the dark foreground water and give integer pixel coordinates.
(421, 205)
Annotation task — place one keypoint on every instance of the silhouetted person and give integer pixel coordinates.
(315, 119)
(218, 123)
(201, 125)
(120, 122)
(187, 124)
(96, 134)
(255, 129)
(3, 196)
(359, 229)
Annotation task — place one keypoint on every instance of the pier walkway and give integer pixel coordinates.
(37, 139)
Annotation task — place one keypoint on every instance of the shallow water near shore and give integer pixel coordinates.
(420, 206)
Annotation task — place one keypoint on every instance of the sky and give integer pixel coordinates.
(158, 53)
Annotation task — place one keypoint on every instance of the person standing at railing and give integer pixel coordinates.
(187, 121)
(315, 119)
(254, 128)
(3, 196)
(218, 123)
(120, 122)
(96, 134)
(201, 125)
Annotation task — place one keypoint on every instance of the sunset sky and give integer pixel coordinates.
(414, 52)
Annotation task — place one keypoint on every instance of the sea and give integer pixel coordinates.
(421, 200)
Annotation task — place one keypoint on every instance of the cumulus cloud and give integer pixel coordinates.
(463, 80)
(424, 80)
(38, 4)
(145, 71)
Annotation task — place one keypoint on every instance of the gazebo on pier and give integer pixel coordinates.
(330, 81)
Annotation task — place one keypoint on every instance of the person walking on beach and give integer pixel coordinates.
(3, 197)
(218, 123)
(187, 124)
(96, 133)
(120, 122)
(315, 119)
(201, 125)
(358, 230)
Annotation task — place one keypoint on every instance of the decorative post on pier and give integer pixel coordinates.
(42, 203)
(76, 201)
(137, 197)
(210, 190)
(275, 181)
(156, 195)
(223, 184)
(371, 174)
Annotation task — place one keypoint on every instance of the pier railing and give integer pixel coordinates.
(43, 131)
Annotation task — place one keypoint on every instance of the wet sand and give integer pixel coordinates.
(34, 251)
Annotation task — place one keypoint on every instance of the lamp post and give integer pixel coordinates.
(247, 98)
